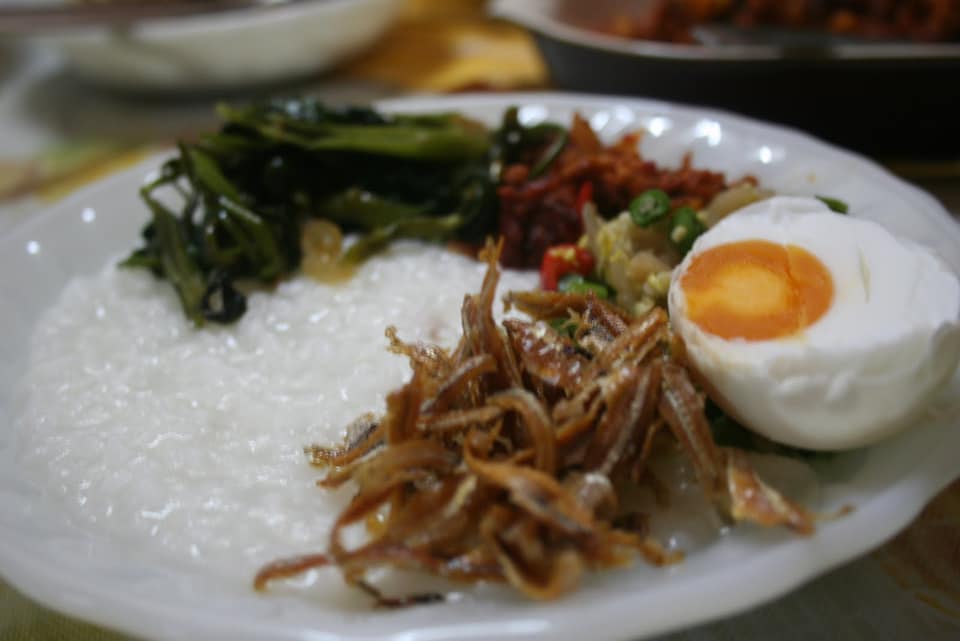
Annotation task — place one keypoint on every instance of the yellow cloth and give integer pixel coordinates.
(452, 52)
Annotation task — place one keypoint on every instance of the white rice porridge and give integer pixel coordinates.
(190, 442)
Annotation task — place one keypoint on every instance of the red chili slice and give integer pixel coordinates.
(560, 260)
(584, 195)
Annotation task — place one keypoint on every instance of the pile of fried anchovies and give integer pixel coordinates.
(509, 458)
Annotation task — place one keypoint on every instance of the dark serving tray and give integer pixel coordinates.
(889, 99)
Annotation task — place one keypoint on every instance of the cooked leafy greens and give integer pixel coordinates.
(229, 207)
(729, 433)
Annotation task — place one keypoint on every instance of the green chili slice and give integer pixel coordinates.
(649, 207)
(577, 284)
(685, 227)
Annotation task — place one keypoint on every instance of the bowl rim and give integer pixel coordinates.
(265, 15)
(538, 16)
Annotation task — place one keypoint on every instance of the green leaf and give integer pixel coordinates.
(245, 191)
(423, 227)
(175, 260)
(727, 432)
(552, 152)
(834, 204)
(360, 208)
(203, 169)
(435, 138)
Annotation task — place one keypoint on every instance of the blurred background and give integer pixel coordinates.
(87, 88)
(88, 85)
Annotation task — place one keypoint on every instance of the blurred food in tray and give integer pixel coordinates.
(675, 20)
(887, 98)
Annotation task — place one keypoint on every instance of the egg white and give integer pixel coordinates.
(862, 371)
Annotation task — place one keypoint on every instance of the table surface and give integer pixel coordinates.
(59, 134)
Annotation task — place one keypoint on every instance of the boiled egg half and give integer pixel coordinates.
(815, 329)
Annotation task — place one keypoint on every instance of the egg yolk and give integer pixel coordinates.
(756, 290)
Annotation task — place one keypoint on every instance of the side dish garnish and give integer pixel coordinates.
(283, 186)
(511, 458)
(242, 195)
(538, 212)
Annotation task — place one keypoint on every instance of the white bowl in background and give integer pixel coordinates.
(214, 51)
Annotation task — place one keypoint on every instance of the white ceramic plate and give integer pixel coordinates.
(230, 49)
(123, 585)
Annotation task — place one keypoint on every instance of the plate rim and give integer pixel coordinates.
(74, 596)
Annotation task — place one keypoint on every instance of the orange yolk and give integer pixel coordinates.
(756, 290)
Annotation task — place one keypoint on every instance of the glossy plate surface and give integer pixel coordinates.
(125, 585)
